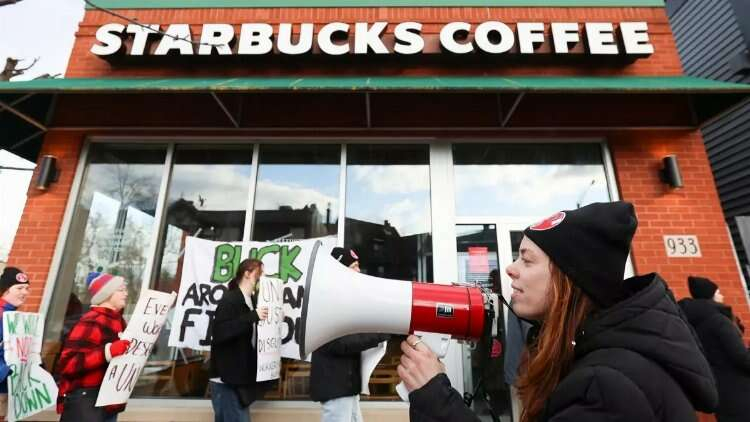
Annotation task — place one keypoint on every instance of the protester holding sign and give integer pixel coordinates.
(335, 378)
(14, 288)
(234, 357)
(92, 343)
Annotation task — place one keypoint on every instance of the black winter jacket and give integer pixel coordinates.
(635, 361)
(233, 357)
(336, 366)
(727, 354)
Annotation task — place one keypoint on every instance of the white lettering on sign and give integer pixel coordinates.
(565, 36)
(635, 38)
(408, 38)
(600, 38)
(363, 38)
(682, 246)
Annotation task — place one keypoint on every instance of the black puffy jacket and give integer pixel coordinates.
(233, 357)
(727, 354)
(635, 361)
(336, 366)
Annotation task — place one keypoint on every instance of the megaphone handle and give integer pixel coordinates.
(438, 343)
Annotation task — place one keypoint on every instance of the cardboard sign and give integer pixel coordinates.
(143, 330)
(269, 330)
(31, 389)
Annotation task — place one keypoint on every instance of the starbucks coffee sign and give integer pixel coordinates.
(624, 39)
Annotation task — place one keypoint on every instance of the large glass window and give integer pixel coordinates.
(112, 226)
(479, 263)
(388, 220)
(527, 179)
(297, 192)
(207, 198)
(296, 197)
(388, 224)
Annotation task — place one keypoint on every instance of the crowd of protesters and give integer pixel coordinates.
(583, 343)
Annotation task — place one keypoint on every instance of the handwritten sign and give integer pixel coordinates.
(148, 318)
(269, 330)
(31, 388)
(208, 268)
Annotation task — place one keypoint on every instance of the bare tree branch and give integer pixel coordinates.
(12, 70)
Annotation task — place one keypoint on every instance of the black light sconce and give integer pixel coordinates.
(48, 172)
(670, 174)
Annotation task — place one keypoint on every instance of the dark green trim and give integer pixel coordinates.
(221, 4)
(590, 84)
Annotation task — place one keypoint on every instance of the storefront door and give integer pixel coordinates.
(486, 246)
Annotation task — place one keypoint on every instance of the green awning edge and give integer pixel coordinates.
(584, 84)
(218, 4)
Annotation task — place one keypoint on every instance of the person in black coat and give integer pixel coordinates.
(234, 357)
(606, 349)
(335, 377)
(723, 346)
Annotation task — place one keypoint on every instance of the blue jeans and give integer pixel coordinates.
(227, 407)
(342, 409)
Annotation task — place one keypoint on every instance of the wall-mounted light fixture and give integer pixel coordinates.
(48, 172)
(670, 173)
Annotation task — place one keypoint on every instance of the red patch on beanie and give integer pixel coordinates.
(549, 223)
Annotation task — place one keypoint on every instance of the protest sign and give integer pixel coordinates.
(31, 389)
(147, 320)
(208, 268)
(269, 330)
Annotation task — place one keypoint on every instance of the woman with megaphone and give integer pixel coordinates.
(606, 349)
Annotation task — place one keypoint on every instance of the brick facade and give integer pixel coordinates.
(37, 234)
(695, 209)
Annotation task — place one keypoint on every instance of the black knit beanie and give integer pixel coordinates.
(590, 245)
(345, 256)
(10, 277)
(701, 287)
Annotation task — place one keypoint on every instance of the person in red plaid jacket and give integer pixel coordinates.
(91, 344)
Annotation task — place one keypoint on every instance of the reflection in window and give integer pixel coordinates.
(297, 192)
(478, 264)
(296, 197)
(388, 220)
(207, 198)
(527, 179)
(112, 225)
(388, 224)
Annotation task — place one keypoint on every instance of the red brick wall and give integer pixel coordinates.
(665, 61)
(42, 218)
(694, 209)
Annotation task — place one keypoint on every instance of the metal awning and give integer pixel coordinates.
(545, 84)
(358, 103)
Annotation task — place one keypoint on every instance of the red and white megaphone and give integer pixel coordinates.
(339, 302)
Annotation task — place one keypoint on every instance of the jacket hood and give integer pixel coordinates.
(649, 322)
(698, 311)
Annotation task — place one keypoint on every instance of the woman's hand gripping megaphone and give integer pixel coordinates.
(420, 361)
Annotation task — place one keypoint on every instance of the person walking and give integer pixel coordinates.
(92, 343)
(335, 377)
(722, 344)
(234, 357)
(14, 289)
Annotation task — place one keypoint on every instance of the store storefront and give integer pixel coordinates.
(425, 135)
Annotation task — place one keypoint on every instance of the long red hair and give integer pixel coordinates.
(548, 360)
